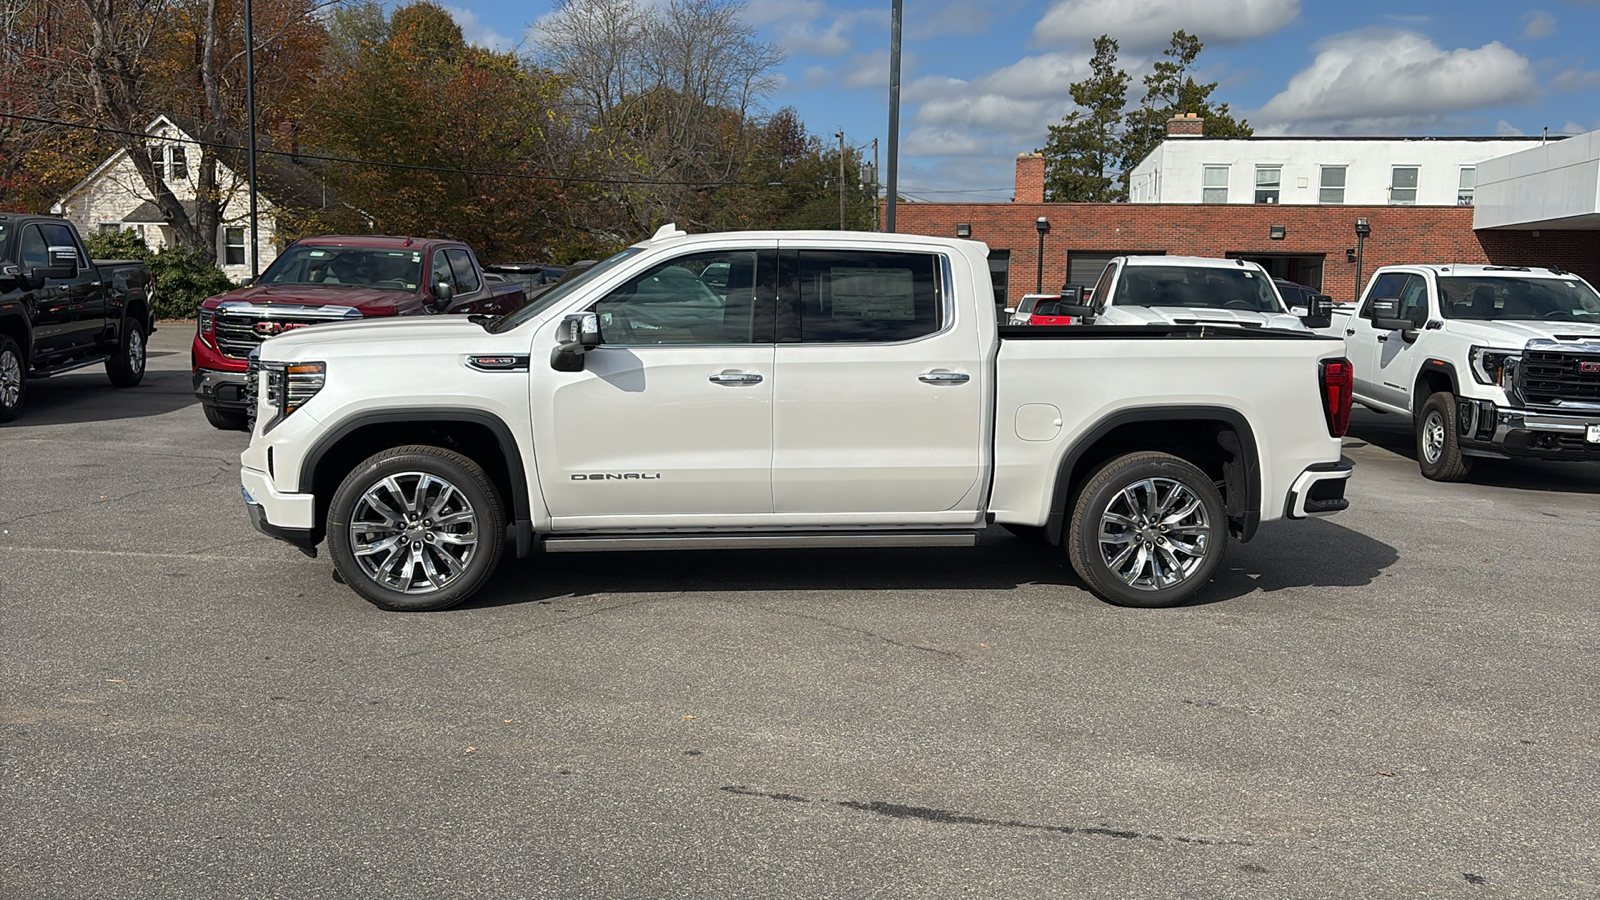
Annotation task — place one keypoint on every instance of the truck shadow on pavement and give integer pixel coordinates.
(88, 396)
(1394, 434)
(1300, 555)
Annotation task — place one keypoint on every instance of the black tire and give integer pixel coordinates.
(1162, 570)
(125, 368)
(472, 542)
(227, 419)
(1033, 534)
(13, 378)
(1438, 448)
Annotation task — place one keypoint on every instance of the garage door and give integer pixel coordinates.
(1084, 266)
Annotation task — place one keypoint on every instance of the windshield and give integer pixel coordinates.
(561, 291)
(1489, 298)
(388, 270)
(1197, 287)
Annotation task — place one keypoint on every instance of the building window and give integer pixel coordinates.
(158, 159)
(1269, 181)
(1403, 186)
(1332, 188)
(1467, 186)
(1214, 185)
(178, 164)
(109, 227)
(233, 246)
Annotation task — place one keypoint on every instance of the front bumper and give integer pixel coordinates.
(1485, 430)
(1319, 491)
(287, 517)
(224, 390)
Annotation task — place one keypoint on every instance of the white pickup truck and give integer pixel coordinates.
(815, 389)
(1192, 290)
(1490, 361)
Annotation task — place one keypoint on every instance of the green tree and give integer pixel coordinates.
(1084, 153)
(1170, 89)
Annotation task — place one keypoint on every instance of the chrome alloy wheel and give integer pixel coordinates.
(1154, 534)
(135, 350)
(10, 379)
(413, 532)
(1432, 437)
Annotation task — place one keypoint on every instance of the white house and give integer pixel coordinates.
(114, 197)
(1188, 167)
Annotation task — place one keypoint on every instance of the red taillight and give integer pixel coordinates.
(1338, 378)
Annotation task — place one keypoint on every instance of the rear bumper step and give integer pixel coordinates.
(595, 543)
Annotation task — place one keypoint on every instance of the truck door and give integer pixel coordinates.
(1362, 338)
(1395, 361)
(879, 401)
(672, 414)
(59, 305)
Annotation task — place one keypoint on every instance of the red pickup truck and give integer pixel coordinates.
(333, 279)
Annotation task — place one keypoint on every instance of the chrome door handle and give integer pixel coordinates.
(943, 378)
(735, 378)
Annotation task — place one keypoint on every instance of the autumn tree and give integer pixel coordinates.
(1084, 154)
(39, 160)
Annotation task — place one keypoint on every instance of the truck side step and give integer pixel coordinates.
(67, 367)
(594, 543)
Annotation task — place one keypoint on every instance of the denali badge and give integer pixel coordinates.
(1589, 368)
(268, 329)
(625, 476)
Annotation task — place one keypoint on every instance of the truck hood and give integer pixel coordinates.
(370, 301)
(1516, 334)
(1183, 315)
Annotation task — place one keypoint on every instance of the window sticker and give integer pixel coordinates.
(871, 293)
(317, 254)
(1249, 274)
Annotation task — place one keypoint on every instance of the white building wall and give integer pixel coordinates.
(111, 194)
(1173, 172)
(1554, 185)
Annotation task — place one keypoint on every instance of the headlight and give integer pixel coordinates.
(1498, 367)
(290, 385)
(208, 321)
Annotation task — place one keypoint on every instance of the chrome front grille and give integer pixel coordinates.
(241, 326)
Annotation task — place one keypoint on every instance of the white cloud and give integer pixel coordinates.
(1538, 24)
(476, 33)
(811, 26)
(1144, 24)
(1506, 129)
(1387, 79)
(1001, 113)
(1576, 79)
(963, 18)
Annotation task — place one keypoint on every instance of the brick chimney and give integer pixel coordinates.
(1186, 125)
(1030, 178)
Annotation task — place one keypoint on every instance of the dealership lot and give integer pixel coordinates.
(1397, 701)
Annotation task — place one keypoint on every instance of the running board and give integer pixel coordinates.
(67, 367)
(595, 543)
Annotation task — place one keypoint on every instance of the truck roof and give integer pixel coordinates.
(1200, 262)
(671, 234)
(372, 241)
(1476, 269)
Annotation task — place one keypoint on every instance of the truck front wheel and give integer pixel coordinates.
(1438, 448)
(416, 528)
(1148, 530)
(13, 378)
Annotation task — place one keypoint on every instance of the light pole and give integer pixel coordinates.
(894, 116)
(1362, 230)
(1043, 225)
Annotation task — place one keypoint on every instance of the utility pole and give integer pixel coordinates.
(875, 225)
(250, 116)
(894, 115)
(841, 179)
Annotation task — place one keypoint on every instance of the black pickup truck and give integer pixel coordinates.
(61, 311)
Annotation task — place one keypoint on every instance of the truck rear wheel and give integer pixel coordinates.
(125, 368)
(1438, 448)
(1148, 530)
(416, 528)
(13, 378)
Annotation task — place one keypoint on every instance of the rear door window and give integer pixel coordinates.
(466, 273)
(859, 296)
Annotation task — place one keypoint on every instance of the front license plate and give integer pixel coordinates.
(1593, 434)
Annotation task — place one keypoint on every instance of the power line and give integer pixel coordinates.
(415, 167)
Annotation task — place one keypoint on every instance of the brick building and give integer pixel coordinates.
(1311, 244)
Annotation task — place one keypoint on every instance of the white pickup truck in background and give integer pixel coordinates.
(824, 389)
(1193, 290)
(1489, 361)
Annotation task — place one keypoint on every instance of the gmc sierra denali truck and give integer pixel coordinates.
(331, 279)
(1489, 362)
(786, 389)
(60, 310)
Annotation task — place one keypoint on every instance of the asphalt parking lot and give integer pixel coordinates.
(1399, 701)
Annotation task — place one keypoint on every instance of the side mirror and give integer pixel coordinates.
(1078, 311)
(443, 293)
(63, 264)
(578, 334)
(246, 281)
(1386, 315)
(1073, 294)
(1319, 311)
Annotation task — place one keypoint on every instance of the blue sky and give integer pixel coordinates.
(981, 80)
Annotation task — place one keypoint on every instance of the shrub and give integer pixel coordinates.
(183, 277)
